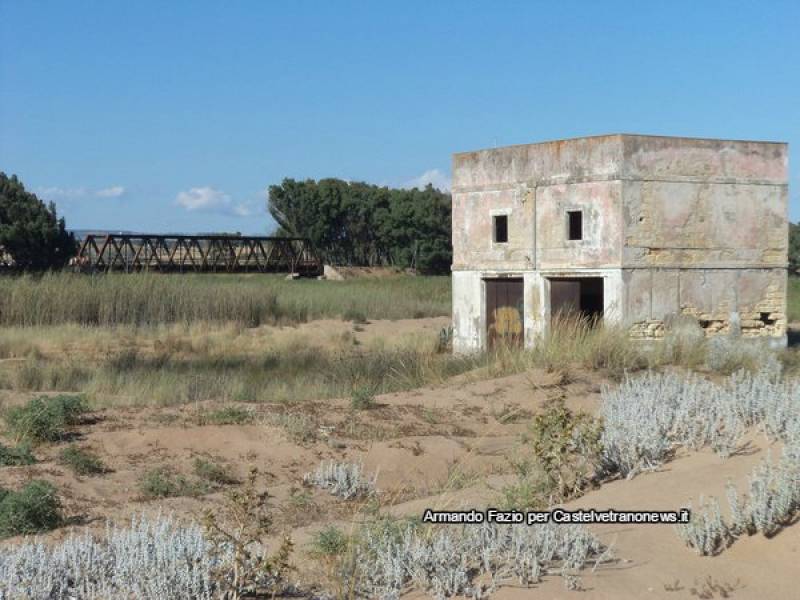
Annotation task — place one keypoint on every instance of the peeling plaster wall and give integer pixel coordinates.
(673, 225)
(600, 203)
(469, 325)
(705, 234)
(523, 180)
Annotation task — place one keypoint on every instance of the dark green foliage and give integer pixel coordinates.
(31, 231)
(794, 248)
(362, 224)
(33, 509)
(329, 542)
(163, 482)
(81, 461)
(16, 456)
(45, 419)
(566, 448)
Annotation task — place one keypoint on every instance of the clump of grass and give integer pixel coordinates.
(299, 427)
(526, 493)
(164, 482)
(332, 549)
(37, 375)
(328, 542)
(33, 509)
(81, 461)
(362, 398)
(573, 339)
(229, 415)
(45, 419)
(213, 472)
(16, 456)
(355, 315)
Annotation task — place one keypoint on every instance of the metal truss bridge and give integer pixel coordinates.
(196, 253)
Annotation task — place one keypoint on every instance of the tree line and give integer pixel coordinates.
(348, 223)
(31, 233)
(355, 223)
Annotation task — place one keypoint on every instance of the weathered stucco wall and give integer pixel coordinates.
(473, 243)
(601, 205)
(673, 225)
(705, 234)
(751, 302)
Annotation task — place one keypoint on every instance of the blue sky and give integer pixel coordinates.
(176, 116)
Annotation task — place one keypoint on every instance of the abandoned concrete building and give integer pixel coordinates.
(630, 229)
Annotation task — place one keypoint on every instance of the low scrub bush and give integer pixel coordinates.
(566, 447)
(561, 457)
(45, 419)
(152, 559)
(32, 509)
(213, 472)
(16, 456)
(771, 503)
(648, 417)
(332, 550)
(163, 482)
(81, 461)
(229, 415)
(238, 530)
(299, 427)
(362, 397)
(388, 558)
(346, 480)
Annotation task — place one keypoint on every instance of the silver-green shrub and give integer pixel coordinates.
(707, 532)
(771, 502)
(346, 480)
(648, 417)
(152, 559)
(471, 560)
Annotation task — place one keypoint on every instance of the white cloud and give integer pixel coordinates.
(59, 193)
(435, 177)
(243, 210)
(208, 199)
(204, 199)
(115, 191)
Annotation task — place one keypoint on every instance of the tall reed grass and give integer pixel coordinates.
(289, 373)
(153, 299)
(180, 364)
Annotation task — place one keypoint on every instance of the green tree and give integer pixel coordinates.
(794, 248)
(30, 231)
(362, 224)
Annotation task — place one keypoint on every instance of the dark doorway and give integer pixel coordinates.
(580, 295)
(504, 312)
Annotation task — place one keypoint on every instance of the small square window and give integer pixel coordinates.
(574, 225)
(501, 229)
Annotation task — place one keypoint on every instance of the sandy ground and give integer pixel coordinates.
(441, 447)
